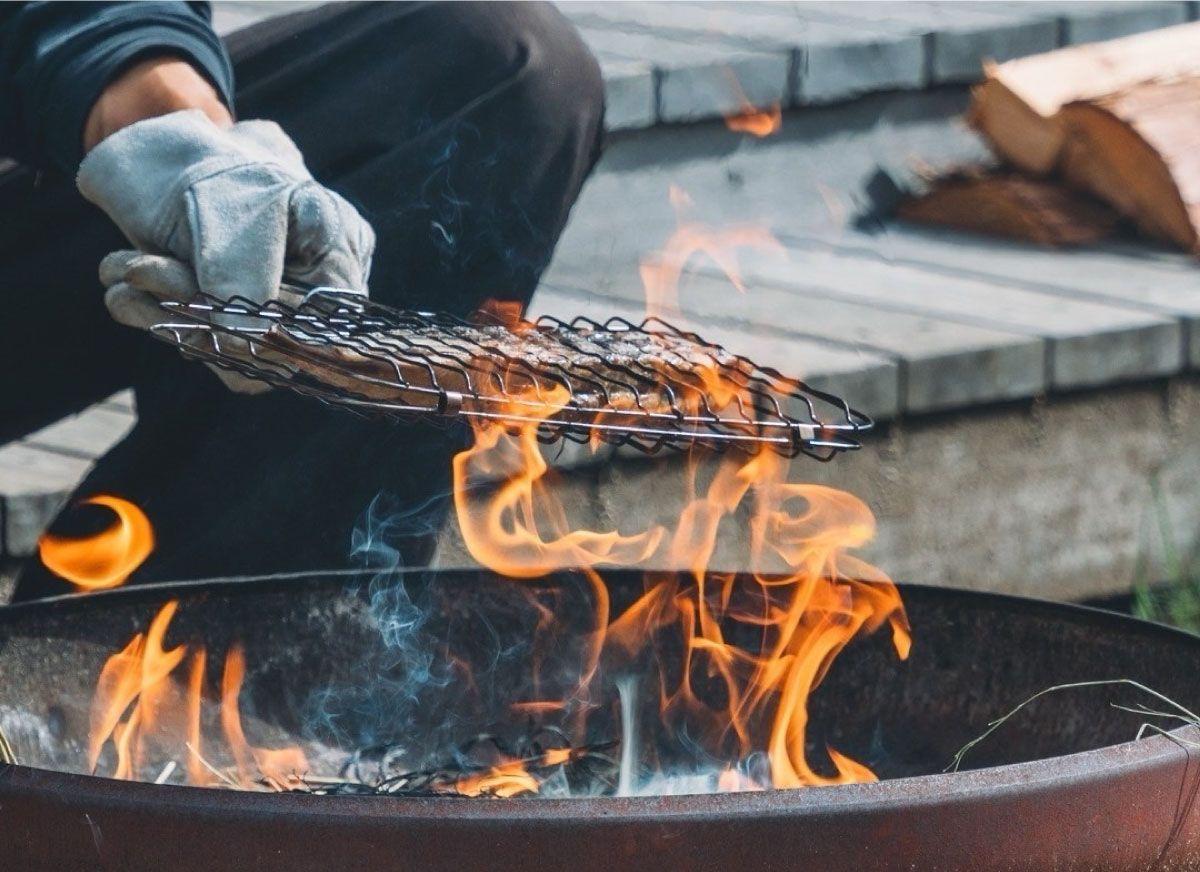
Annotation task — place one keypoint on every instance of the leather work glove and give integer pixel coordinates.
(234, 210)
(136, 282)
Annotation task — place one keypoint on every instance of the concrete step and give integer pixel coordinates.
(37, 473)
(673, 61)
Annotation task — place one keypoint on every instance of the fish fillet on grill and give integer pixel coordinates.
(604, 370)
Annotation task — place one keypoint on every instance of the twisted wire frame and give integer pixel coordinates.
(647, 385)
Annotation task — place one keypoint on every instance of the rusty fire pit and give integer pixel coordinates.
(1059, 786)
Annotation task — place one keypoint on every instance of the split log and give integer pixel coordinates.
(1017, 106)
(1008, 205)
(1139, 150)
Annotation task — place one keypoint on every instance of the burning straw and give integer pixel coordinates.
(516, 772)
(7, 756)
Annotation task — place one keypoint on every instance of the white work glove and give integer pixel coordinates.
(235, 209)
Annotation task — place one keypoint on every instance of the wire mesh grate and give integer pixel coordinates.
(648, 385)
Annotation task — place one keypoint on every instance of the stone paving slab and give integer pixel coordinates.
(33, 484)
(86, 434)
(698, 81)
(630, 94)
(1087, 21)
(38, 472)
(824, 51)
(1089, 343)
(831, 60)
(1138, 277)
(943, 364)
(869, 381)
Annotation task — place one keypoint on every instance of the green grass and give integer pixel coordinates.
(1176, 599)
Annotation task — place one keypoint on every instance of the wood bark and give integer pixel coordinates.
(1012, 206)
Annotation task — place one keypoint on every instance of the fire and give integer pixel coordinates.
(661, 273)
(137, 706)
(747, 650)
(810, 596)
(802, 598)
(507, 779)
(756, 122)
(749, 118)
(508, 534)
(278, 766)
(107, 558)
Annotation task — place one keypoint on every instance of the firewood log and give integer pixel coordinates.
(1000, 203)
(1017, 106)
(1139, 149)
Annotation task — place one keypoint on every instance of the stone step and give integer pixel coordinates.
(671, 61)
(943, 364)
(869, 381)
(38, 472)
(1089, 343)
(1137, 277)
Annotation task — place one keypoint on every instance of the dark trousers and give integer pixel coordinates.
(462, 131)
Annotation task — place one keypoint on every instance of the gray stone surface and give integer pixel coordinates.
(1089, 343)
(1133, 276)
(630, 94)
(699, 80)
(839, 70)
(38, 472)
(943, 364)
(1095, 22)
(833, 60)
(33, 484)
(831, 51)
(84, 435)
(960, 52)
(960, 35)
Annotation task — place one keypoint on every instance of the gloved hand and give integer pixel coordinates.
(136, 282)
(237, 206)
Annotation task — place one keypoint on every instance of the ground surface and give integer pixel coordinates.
(955, 339)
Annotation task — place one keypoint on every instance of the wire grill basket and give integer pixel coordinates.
(649, 385)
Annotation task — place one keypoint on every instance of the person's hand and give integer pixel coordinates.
(235, 206)
(136, 283)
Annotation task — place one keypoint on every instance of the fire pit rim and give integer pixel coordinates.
(1063, 771)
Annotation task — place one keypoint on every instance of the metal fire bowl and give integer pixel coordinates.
(1060, 786)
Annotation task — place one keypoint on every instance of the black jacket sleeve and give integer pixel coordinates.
(56, 58)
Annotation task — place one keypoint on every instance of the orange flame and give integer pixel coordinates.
(756, 122)
(137, 706)
(505, 780)
(661, 273)
(803, 592)
(814, 596)
(107, 558)
(279, 766)
(134, 676)
(750, 118)
(522, 532)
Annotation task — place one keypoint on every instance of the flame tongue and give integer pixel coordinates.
(812, 596)
(107, 558)
(754, 647)
(136, 705)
